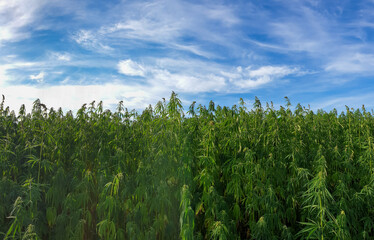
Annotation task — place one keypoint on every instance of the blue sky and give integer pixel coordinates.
(68, 52)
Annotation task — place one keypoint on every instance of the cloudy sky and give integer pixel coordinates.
(68, 52)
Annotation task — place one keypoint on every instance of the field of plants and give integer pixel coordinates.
(209, 172)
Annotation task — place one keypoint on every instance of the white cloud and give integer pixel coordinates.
(131, 68)
(39, 77)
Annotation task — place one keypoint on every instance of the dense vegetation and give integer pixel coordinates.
(216, 173)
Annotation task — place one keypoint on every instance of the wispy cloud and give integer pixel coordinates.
(272, 71)
(65, 57)
(130, 68)
(179, 25)
(90, 40)
(309, 31)
(19, 19)
(15, 16)
(248, 78)
(187, 83)
(352, 63)
(352, 100)
(323, 34)
(5, 78)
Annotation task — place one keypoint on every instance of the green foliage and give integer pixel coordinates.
(217, 173)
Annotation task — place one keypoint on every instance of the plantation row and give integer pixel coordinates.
(214, 173)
